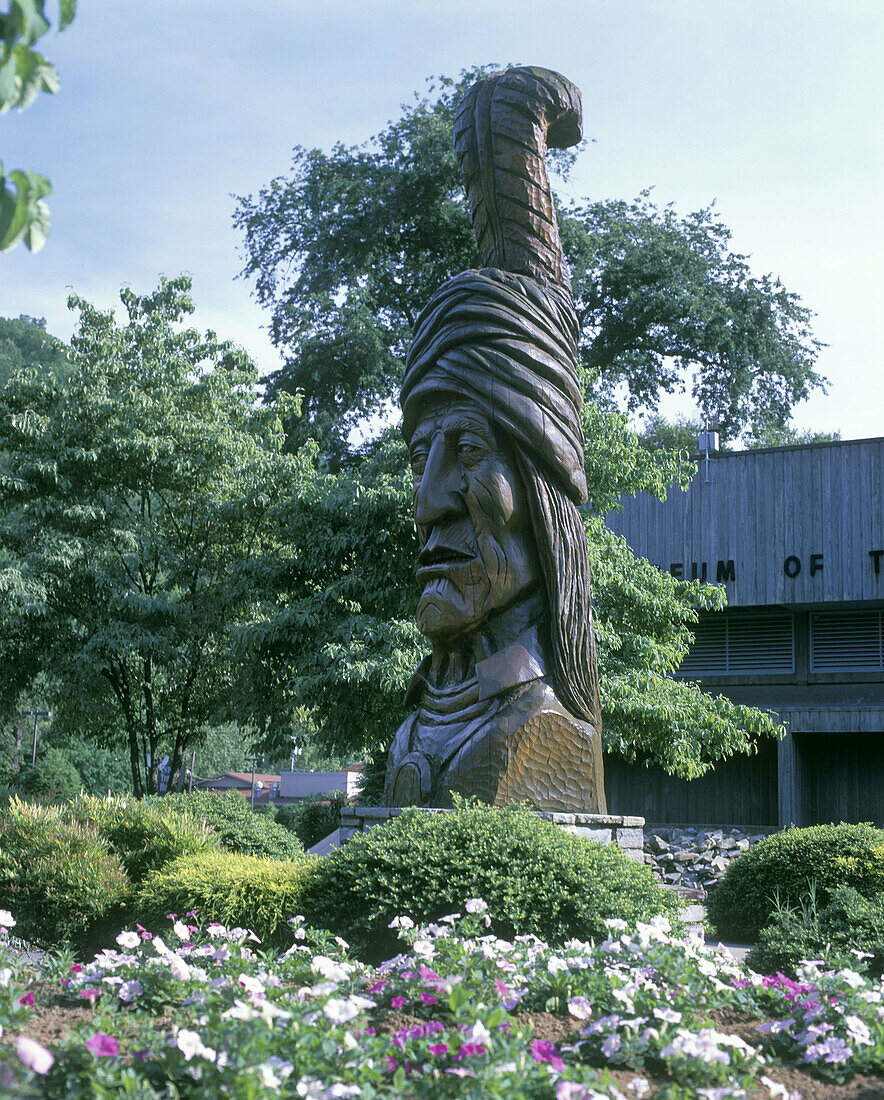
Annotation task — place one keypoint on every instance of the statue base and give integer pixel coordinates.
(625, 832)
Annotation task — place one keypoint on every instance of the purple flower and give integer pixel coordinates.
(471, 1050)
(438, 1049)
(397, 1002)
(542, 1050)
(103, 1046)
(428, 999)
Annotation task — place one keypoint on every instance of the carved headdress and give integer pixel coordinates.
(506, 336)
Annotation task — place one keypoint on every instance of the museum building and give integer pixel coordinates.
(796, 535)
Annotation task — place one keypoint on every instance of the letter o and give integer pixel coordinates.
(792, 566)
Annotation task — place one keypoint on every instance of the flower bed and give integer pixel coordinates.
(202, 1012)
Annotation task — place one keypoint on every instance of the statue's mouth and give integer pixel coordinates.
(438, 558)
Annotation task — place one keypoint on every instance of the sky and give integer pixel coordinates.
(167, 110)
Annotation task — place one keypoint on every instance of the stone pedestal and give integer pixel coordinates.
(625, 832)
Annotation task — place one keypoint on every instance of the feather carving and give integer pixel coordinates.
(503, 127)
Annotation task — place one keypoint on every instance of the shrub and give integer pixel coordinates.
(849, 923)
(534, 877)
(58, 874)
(782, 864)
(236, 890)
(53, 779)
(235, 825)
(314, 817)
(146, 834)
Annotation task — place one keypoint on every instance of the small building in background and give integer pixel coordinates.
(796, 535)
(285, 788)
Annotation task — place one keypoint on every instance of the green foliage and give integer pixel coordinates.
(136, 498)
(54, 777)
(25, 344)
(777, 869)
(145, 834)
(535, 877)
(348, 247)
(850, 923)
(681, 434)
(234, 824)
(314, 817)
(59, 874)
(24, 73)
(233, 889)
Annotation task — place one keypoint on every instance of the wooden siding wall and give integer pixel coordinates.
(740, 791)
(841, 778)
(762, 507)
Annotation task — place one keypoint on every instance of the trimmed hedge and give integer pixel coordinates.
(237, 827)
(58, 875)
(235, 890)
(782, 865)
(535, 877)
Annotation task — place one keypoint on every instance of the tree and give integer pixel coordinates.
(336, 652)
(24, 73)
(348, 247)
(135, 499)
(682, 434)
(24, 342)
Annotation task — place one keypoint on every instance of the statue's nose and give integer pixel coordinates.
(438, 494)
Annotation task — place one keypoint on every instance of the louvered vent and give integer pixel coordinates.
(847, 641)
(728, 644)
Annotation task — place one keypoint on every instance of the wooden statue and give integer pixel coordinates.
(507, 703)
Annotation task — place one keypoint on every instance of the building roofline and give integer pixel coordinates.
(716, 455)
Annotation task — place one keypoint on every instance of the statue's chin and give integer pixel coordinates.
(444, 616)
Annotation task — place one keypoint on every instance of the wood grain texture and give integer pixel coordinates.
(503, 128)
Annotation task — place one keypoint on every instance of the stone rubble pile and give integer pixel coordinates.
(694, 859)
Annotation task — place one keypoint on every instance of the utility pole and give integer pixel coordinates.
(253, 760)
(36, 715)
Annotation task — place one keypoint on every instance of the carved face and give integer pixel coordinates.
(477, 550)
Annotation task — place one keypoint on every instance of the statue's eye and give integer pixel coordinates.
(470, 450)
(418, 461)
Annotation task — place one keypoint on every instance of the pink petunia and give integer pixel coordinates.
(542, 1050)
(428, 999)
(397, 1002)
(76, 969)
(90, 995)
(438, 1048)
(103, 1046)
(27, 1000)
(471, 1050)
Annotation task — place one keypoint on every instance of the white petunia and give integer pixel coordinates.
(128, 991)
(424, 948)
(329, 969)
(191, 1046)
(580, 1008)
(6, 919)
(479, 1033)
(339, 1011)
(668, 1015)
(129, 940)
(555, 965)
(401, 922)
(31, 1053)
(181, 930)
(476, 905)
